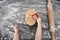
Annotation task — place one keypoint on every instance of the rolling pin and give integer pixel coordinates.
(51, 19)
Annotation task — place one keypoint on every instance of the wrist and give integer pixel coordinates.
(38, 21)
(16, 31)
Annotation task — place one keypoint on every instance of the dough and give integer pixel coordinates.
(28, 17)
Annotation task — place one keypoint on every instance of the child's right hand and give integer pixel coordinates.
(38, 20)
(36, 17)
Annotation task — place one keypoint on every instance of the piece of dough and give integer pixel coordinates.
(28, 17)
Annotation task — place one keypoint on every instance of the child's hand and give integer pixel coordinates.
(38, 20)
(35, 16)
(15, 28)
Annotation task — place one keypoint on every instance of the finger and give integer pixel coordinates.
(15, 26)
(34, 16)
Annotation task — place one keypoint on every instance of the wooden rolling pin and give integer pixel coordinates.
(51, 19)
